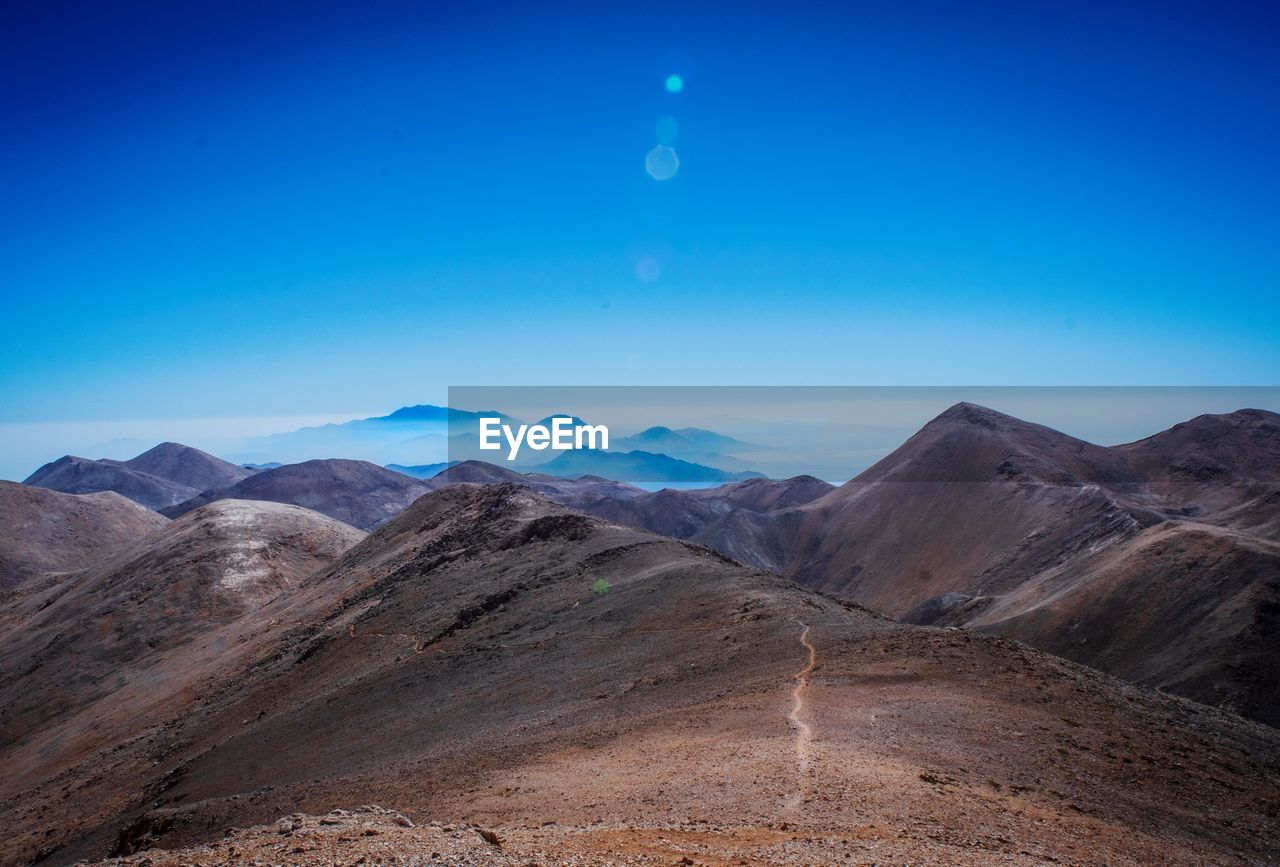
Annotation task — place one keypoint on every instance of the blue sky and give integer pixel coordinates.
(226, 210)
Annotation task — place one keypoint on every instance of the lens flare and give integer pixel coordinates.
(668, 129)
(675, 83)
(648, 270)
(662, 163)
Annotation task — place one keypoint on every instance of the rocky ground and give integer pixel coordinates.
(594, 694)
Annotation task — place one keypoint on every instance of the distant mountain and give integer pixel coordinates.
(769, 495)
(356, 492)
(45, 531)
(715, 517)
(715, 442)
(423, 435)
(75, 475)
(421, 471)
(689, 439)
(410, 436)
(159, 477)
(187, 466)
(567, 491)
(475, 473)
(693, 445)
(636, 466)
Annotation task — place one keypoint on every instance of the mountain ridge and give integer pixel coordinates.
(463, 664)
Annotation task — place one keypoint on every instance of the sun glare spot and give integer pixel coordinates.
(668, 129)
(662, 163)
(648, 270)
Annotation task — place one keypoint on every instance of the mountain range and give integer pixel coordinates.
(1156, 560)
(980, 648)
(428, 436)
(160, 477)
(554, 687)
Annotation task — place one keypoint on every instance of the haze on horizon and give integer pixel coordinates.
(219, 211)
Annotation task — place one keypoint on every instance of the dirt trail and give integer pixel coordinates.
(804, 732)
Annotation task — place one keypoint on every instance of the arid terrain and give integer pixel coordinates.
(355, 492)
(45, 531)
(584, 692)
(494, 676)
(1158, 561)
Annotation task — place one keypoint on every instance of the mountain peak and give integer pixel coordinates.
(976, 414)
(187, 465)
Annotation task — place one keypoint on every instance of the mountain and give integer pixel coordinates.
(47, 531)
(711, 441)
(355, 492)
(1234, 448)
(75, 475)
(411, 436)
(421, 471)
(688, 444)
(1153, 560)
(710, 516)
(1221, 469)
(1189, 608)
(188, 466)
(689, 440)
(476, 473)
(490, 657)
(570, 492)
(131, 635)
(636, 466)
(158, 478)
(768, 495)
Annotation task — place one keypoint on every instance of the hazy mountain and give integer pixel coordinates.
(636, 466)
(421, 471)
(411, 435)
(425, 435)
(355, 492)
(688, 444)
(689, 439)
(45, 531)
(491, 657)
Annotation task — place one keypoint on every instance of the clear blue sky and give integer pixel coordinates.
(216, 209)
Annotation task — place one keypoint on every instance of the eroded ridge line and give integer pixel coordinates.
(804, 732)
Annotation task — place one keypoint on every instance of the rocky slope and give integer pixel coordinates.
(44, 531)
(90, 654)
(1156, 561)
(358, 493)
(490, 657)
